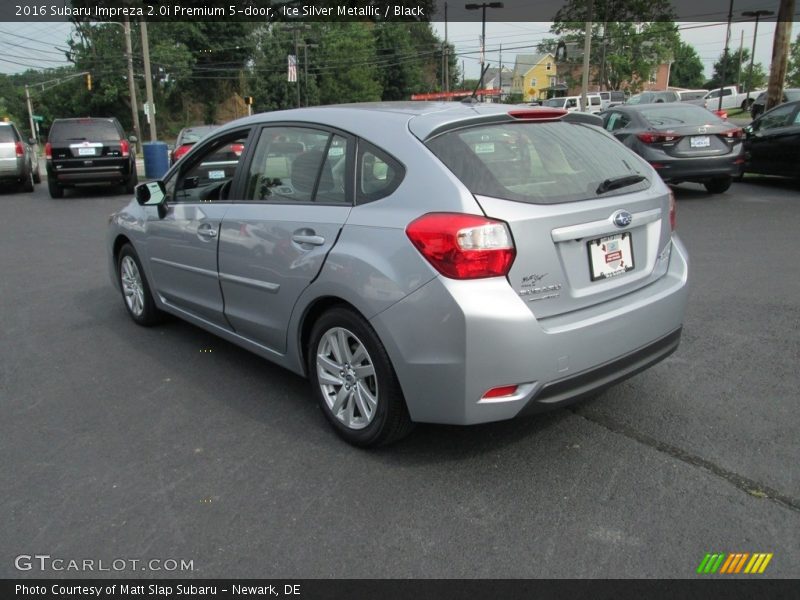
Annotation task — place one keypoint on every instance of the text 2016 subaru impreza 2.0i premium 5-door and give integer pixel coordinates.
(440, 263)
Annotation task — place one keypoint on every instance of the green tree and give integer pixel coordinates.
(687, 68)
(398, 62)
(630, 38)
(347, 70)
(737, 73)
(793, 72)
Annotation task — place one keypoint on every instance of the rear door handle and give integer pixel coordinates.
(314, 240)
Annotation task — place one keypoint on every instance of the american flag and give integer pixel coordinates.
(292, 67)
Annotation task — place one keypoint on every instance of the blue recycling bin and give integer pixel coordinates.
(156, 159)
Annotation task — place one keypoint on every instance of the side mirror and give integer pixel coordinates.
(152, 193)
(748, 129)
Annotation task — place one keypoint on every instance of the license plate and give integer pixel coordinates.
(700, 141)
(610, 256)
(85, 151)
(216, 174)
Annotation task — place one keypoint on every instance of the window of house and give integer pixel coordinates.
(549, 65)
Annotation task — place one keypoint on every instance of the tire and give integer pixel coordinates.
(56, 191)
(372, 410)
(718, 185)
(136, 295)
(132, 182)
(746, 105)
(27, 185)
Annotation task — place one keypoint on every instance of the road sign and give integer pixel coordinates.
(38, 118)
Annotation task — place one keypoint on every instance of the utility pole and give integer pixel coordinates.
(757, 14)
(446, 54)
(739, 74)
(500, 74)
(587, 48)
(126, 24)
(725, 56)
(148, 81)
(780, 53)
(30, 114)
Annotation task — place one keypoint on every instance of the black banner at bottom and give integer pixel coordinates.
(391, 589)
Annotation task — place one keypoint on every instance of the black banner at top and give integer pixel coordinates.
(374, 10)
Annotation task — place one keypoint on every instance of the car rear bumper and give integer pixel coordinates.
(699, 169)
(452, 341)
(12, 168)
(113, 173)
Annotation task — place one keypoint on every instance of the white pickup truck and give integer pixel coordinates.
(731, 98)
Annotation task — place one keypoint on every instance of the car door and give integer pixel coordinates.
(769, 139)
(296, 197)
(182, 241)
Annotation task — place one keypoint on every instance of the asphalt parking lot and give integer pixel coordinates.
(168, 443)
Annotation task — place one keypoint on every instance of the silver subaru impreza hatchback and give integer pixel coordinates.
(418, 262)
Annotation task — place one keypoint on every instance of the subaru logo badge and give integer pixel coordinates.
(622, 218)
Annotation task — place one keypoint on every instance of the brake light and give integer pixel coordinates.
(48, 151)
(463, 246)
(656, 137)
(538, 113)
(672, 211)
(20, 149)
(499, 392)
(180, 151)
(722, 114)
(733, 134)
(237, 149)
(125, 148)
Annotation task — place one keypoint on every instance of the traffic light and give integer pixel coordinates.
(89, 81)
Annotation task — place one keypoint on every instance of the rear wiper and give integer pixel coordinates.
(615, 183)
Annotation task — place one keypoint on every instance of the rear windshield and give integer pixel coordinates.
(7, 134)
(692, 95)
(195, 134)
(84, 129)
(677, 115)
(554, 102)
(539, 163)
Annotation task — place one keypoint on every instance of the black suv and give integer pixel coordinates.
(89, 150)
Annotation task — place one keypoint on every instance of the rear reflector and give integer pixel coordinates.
(462, 246)
(538, 113)
(673, 212)
(499, 392)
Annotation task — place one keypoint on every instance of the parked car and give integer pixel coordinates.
(789, 95)
(418, 262)
(772, 142)
(681, 141)
(89, 150)
(696, 97)
(611, 98)
(731, 98)
(19, 165)
(187, 138)
(653, 97)
(573, 103)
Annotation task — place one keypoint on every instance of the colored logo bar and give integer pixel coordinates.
(734, 563)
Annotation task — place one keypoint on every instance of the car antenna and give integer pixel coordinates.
(472, 98)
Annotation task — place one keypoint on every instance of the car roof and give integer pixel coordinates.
(374, 119)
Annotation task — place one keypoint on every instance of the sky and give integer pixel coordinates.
(37, 44)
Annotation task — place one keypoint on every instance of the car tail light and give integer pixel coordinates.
(20, 149)
(538, 113)
(733, 134)
(656, 137)
(237, 149)
(499, 392)
(673, 216)
(48, 151)
(722, 114)
(125, 148)
(180, 151)
(463, 246)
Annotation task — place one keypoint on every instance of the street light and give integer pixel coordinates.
(483, 6)
(757, 14)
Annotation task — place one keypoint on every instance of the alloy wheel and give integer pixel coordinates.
(132, 287)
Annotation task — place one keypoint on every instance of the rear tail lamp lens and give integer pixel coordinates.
(125, 148)
(733, 134)
(20, 149)
(180, 151)
(653, 137)
(48, 151)
(463, 246)
(237, 149)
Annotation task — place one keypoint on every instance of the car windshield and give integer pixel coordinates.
(6, 135)
(637, 99)
(195, 134)
(96, 130)
(539, 163)
(676, 115)
(554, 102)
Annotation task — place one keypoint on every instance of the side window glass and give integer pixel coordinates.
(797, 118)
(780, 117)
(298, 164)
(378, 174)
(617, 121)
(209, 177)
